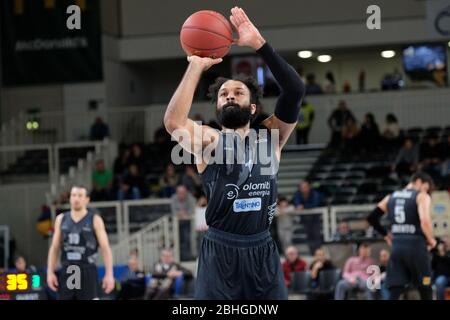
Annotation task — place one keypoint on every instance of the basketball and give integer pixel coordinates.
(206, 33)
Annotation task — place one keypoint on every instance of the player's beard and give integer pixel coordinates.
(233, 116)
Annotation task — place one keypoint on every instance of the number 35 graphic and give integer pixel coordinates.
(16, 282)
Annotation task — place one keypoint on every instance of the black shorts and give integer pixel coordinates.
(409, 263)
(89, 284)
(239, 267)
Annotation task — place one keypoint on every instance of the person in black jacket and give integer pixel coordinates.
(440, 264)
(168, 278)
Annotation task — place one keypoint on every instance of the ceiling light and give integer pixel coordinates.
(324, 58)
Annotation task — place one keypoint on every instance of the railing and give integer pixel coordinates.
(354, 215)
(164, 233)
(424, 107)
(160, 234)
(125, 218)
(138, 213)
(148, 226)
(126, 125)
(4, 235)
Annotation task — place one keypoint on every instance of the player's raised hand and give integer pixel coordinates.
(203, 63)
(249, 35)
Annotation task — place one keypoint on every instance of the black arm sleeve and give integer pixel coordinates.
(291, 85)
(374, 220)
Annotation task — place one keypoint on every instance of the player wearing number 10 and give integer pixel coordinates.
(410, 236)
(79, 232)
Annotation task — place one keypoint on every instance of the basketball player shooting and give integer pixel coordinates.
(238, 258)
(78, 234)
(411, 236)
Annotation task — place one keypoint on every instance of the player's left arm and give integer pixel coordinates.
(108, 282)
(375, 216)
(423, 206)
(291, 85)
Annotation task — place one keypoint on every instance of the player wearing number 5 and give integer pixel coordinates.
(411, 236)
(78, 234)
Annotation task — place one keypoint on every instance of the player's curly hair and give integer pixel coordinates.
(250, 82)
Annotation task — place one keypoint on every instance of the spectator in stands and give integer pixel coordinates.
(381, 280)
(102, 181)
(169, 181)
(369, 137)
(307, 198)
(183, 206)
(293, 263)
(132, 280)
(99, 130)
(431, 157)
(191, 180)
(305, 121)
(319, 263)
(355, 274)
(336, 122)
(391, 128)
(20, 266)
(407, 159)
(284, 221)
(343, 232)
(121, 163)
(312, 87)
(133, 271)
(133, 185)
(440, 265)
(137, 158)
(330, 83)
(350, 135)
(168, 278)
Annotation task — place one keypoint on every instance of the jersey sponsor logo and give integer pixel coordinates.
(402, 194)
(73, 256)
(231, 191)
(256, 186)
(403, 228)
(257, 189)
(246, 205)
(252, 189)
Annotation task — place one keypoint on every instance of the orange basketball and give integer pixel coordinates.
(206, 33)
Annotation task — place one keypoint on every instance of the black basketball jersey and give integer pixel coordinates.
(403, 213)
(241, 184)
(78, 240)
